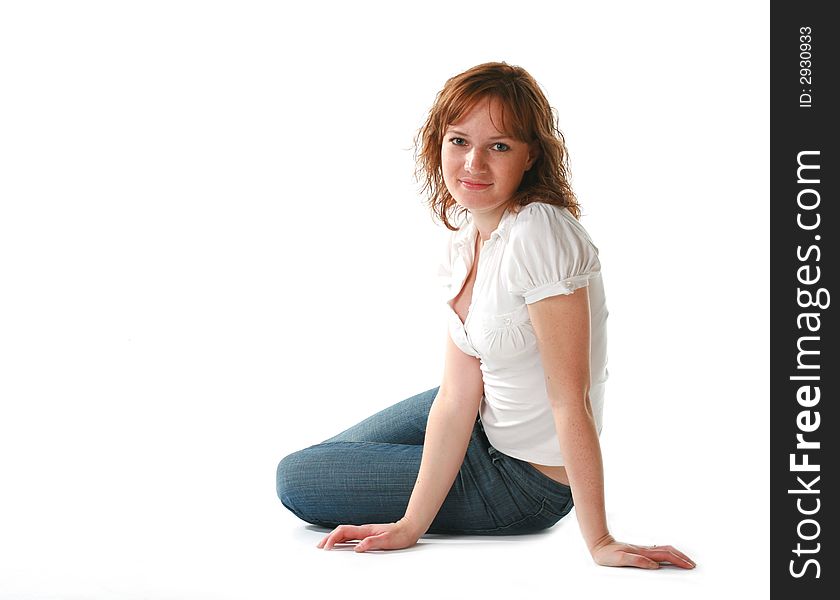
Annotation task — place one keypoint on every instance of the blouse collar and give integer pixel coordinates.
(466, 235)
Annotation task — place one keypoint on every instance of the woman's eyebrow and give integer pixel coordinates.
(462, 134)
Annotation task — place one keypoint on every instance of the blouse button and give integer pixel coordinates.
(507, 321)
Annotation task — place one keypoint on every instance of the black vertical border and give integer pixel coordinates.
(795, 128)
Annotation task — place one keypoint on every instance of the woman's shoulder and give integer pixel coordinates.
(548, 253)
(540, 222)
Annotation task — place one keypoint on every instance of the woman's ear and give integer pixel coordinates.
(533, 155)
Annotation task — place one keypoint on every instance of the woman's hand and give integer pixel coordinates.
(381, 536)
(610, 553)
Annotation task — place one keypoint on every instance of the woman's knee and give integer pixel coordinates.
(297, 485)
(291, 473)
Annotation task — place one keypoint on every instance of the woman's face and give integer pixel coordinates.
(482, 166)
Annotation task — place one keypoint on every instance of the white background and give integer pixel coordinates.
(213, 253)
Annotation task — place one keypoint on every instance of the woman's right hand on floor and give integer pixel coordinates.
(380, 536)
(610, 553)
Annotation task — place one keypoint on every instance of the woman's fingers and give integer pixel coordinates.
(372, 542)
(682, 555)
(343, 533)
(629, 559)
(667, 554)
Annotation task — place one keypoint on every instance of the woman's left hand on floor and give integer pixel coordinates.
(380, 536)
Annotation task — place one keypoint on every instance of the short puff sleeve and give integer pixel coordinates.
(550, 253)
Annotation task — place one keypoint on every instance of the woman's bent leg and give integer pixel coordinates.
(343, 481)
(339, 479)
(401, 423)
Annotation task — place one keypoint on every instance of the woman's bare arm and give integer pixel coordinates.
(562, 327)
(451, 421)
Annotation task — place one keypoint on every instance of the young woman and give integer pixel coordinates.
(511, 433)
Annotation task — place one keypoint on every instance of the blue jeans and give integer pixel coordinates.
(366, 475)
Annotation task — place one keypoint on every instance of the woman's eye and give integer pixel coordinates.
(458, 141)
(501, 147)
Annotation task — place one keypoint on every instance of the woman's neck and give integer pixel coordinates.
(486, 223)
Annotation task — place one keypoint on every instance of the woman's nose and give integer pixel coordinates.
(475, 161)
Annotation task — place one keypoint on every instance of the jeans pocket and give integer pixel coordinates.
(539, 504)
(544, 479)
(544, 518)
(538, 485)
(558, 495)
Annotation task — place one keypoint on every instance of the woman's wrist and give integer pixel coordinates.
(412, 526)
(600, 542)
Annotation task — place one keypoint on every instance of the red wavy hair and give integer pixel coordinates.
(526, 116)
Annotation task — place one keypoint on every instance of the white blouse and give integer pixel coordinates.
(538, 252)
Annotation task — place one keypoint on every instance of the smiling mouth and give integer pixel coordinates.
(474, 185)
